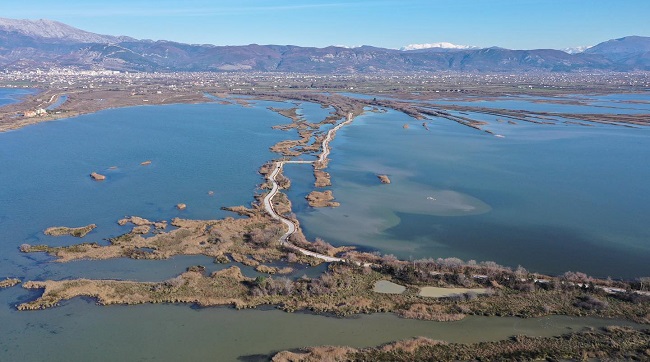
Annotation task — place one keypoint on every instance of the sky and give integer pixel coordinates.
(514, 24)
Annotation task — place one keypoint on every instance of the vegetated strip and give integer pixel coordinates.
(609, 343)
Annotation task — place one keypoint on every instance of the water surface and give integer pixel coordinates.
(13, 95)
(552, 198)
(80, 330)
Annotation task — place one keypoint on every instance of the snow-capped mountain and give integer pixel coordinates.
(440, 45)
(576, 50)
(45, 44)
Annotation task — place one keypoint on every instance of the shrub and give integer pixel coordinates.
(590, 302)
(270, 286)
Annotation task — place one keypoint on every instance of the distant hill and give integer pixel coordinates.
(631, 52)
(29, 44)
(54, 30)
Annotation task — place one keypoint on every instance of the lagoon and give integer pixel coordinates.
(551, 198)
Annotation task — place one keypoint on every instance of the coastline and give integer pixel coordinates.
(88, 100)
(83, 103)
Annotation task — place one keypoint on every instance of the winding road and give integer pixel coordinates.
(268, 204)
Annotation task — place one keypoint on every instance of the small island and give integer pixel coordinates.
(384, 179)
(9, 282)
(139, 221)
(79, 232)
(322, 178)
(97, 177)
(321, 199)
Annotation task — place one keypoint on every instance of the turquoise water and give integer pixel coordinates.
(549, 197)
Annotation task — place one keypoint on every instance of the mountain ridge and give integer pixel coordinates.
(51, 29)
(29, 44)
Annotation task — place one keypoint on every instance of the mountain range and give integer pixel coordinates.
(31, 44)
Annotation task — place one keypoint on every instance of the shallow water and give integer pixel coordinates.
(387, 287)
(62, 99)
(80, 330)
(13, 95)
(194, 149)
(551, 198)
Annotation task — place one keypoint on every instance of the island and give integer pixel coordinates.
(383, 179)
(97, 177)
(78, 232)
(321, 199)
(9, 282)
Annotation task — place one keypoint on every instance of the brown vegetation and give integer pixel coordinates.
(348, 289)
(246, 236)
(384, 179)
(78, 232)
(138, 221)
(291, 113)
(97, 177)
(612, 343)
(321, 199)
(9, 282)
(322, 178)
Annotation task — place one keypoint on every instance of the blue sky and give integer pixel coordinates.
(516, 24)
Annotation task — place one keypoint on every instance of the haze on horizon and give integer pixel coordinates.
(514, 24)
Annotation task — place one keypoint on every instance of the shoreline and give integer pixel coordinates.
(10, 118)
(81, 102)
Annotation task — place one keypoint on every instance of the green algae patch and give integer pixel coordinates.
(386, 287)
